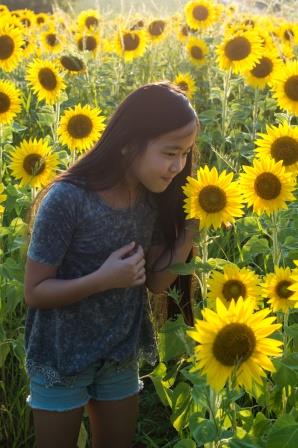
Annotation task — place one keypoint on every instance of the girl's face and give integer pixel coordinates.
(163, 159)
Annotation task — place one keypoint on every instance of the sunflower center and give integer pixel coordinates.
(200, 12)
(40, 20)
(25, 43)
(6, 47)
(34, 164)
(47, 78)
(233, 344)
(185, 30)
(267, 186)
(87, 43)
(72, 63)
(79, 126)
(196, 53)
(285, 149)
(91, 21)
(4, 102)
(263, 68)
(288, 35)
(212, 199)
(26, 22)
(156, 28)
(233, 289)
(52, 39)
(130, 42)
(291, 88)
(237, 48)
(138, 25)
(183, 85)
(249, 22)
(282, 289)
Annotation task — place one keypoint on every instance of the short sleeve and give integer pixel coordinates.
(54, 224)
(157, 234)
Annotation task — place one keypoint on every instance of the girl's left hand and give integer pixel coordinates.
(192, 226)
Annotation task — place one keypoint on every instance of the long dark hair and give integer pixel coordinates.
(147, 113)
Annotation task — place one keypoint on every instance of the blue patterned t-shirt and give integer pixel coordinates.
(76, 231)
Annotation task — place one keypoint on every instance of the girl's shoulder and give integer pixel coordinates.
(65, 191)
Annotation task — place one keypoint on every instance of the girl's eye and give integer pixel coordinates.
(173, 154)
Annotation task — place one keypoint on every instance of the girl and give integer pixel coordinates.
(106, 229)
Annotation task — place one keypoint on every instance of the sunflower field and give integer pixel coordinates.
(231, 380)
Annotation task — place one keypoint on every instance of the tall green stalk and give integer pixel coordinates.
(276, 250)
(255, 111)
(1, 151)
(226, 93)
(204, 247)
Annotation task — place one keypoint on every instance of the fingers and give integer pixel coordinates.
(140, 264)
(138, 256)
(140, 280)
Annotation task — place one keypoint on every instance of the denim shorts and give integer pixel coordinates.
(103, 380)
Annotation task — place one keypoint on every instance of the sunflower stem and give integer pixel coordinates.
(1, 151)
(33, 193)
(56, 124)
(230, 387)
(204, 245)
(212, 409)
(226, 92)
(255, 114)
(276, 252)
(73, 156)
(285, 336)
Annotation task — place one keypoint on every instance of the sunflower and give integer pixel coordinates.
(183, 32)
(200, 14)
(275, 289)
(27, 18)
(130, 44)
(232, 284)
(29, 45)
(281, 143)
(294, 286)
(212, 198)
(88, 42)
(285, 87)
(266, 186)
(3, 10)
(186, 83)
(196, 50)
(80, 127)
(157, 30)
(34, 163)
(264, 70)
(10, 101)
(51, 40)
(41, 19)
(11, 42)
(89, 19)
(72, 64)
(266, 39)
(288, 33)
(3, 198)
(232, 342)
(45, 80)
(240, 51)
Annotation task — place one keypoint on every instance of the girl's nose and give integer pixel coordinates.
(177, 165)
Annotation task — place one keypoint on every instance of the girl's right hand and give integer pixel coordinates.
(122, 270)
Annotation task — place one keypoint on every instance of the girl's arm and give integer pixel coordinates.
(43, 290)
(157, 282)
